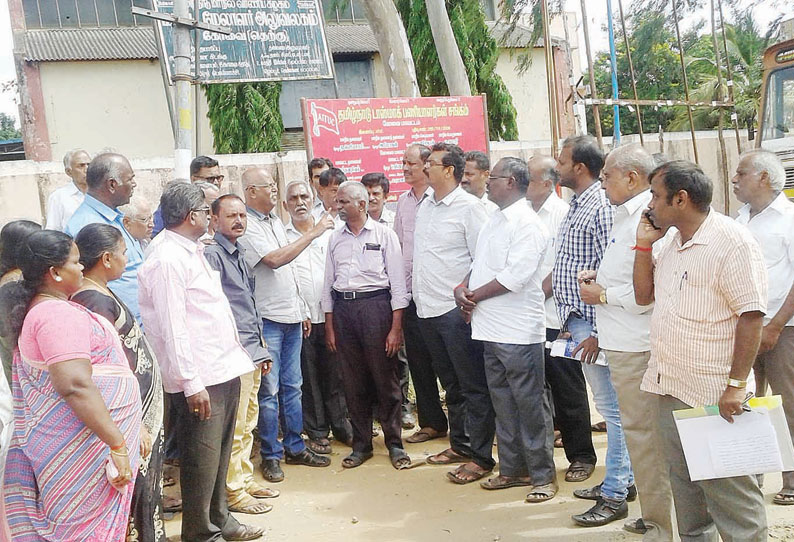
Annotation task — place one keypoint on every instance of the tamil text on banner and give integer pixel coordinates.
(370, 135)
(270, 40)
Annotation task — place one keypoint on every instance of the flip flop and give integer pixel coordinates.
(455, 477)
(355, 459)
(579, 471)
(399, 459)
(784, 497)
(543, 493)
(262, 492)
(448, 457)
(504, 482)
(425, 434)
(251, 506)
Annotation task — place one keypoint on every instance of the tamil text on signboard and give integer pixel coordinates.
(370, 135)
(270, 40)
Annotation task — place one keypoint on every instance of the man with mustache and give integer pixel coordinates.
(323, 400)
(229, 220)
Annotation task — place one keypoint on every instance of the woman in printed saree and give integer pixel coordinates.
(102, 253)
(77, 406)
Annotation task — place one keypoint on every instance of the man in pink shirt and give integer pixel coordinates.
(192, 330)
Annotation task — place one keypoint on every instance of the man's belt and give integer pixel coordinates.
(350, 296)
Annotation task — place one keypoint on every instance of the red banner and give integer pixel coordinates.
(365, 135)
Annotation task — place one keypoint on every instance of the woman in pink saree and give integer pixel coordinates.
(77, 407)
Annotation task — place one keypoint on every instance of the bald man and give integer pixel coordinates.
(285, 321)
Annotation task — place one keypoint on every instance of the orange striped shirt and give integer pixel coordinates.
(701, 288)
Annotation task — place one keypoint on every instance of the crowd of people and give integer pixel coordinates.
(191, 333)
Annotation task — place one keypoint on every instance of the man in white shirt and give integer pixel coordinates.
(475, 176)
(769, 215)
(447, 226)
(323, 399)
(624, 336)
(377, 185)
(285, 320)
(64, 201)
(504, 298)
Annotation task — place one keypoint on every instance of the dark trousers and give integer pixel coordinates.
(458, 362)
(368, 375)
(571, 408)
(204, 448)
(428, 402)
(523, 416)
(323, 398)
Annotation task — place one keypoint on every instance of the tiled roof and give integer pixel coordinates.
(137, 42)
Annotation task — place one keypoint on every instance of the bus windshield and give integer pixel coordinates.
(778, 121)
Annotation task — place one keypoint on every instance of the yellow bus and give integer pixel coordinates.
(776, 132)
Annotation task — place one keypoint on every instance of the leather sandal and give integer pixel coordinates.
(425, 434)
(594, 493)
(319, 446)
(250, 505)
(399, 458)
(308, 458)
(603, 512)
(542, 493)
(466, 475)
(504, 482)
(244, 532)
(262, 492)
(356, 459)
(579, 471)
(448, 457)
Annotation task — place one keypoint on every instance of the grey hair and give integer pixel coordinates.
(763, 160)
(357, 192)
(517, 168)
(135, 206)
(297, 183)
(67, 158)
(178, 200)
(633, 158)
(107, 165)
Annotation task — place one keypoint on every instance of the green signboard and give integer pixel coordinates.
(270, 40)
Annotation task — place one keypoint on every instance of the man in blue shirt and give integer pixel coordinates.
(111, 182)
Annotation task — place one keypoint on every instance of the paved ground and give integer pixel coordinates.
(377, 503)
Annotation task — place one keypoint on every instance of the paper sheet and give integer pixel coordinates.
(563, 348)
(715, 448)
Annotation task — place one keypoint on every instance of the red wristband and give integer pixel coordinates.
(461, 285)
(642, 249)
(119, 447)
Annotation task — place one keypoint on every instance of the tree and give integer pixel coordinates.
(8, 129)
(446, 48)
(478, 51)
(245, 117)
(393, 47)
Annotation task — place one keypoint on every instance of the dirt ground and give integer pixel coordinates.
(374, 502)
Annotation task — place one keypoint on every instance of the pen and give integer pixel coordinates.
(745, 406)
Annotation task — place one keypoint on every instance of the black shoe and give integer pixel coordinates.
(308, 458)
(594, 493)
(605, 511)
(636, 526)
(271, 470)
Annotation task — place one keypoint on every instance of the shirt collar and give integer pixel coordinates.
(369, 224)
(589, 193)
(548, 203)
(637, 202)
(188, 244)
(224, 243)
(111, 215)
(514, 209)
(73, 190)
(701, 236)
(449, 198)
(260, 216)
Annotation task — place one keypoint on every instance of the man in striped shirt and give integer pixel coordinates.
(709, 284)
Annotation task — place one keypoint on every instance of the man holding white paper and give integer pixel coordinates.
(709, 285)
(769, 215)
(624, 336)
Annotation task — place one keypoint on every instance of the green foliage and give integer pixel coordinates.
(8, 129)
(478, 51)
(245, 117)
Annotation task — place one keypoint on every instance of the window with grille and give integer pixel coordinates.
(83, 13)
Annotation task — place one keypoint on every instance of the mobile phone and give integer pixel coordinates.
(647, 215)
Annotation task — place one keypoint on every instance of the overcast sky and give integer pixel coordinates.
(596, 11)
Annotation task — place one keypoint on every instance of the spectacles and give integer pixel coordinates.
(492, 177)
(213, 179)
(431, 163)
(143, 220)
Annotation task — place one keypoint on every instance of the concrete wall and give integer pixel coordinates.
(26, 185)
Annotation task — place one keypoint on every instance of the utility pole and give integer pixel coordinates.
(183, 78)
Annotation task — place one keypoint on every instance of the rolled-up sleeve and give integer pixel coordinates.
(393, 260)
(525, 255)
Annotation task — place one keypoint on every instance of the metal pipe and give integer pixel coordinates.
(613, 64)
(686, 83)
(550, 78)
(734, 117)
(593, 93)
(720, 122)
(183, 148)
(631, 71)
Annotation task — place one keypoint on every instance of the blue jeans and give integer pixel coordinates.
(280, 391)
(618, 476)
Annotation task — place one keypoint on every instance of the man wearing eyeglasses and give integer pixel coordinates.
(206, 169)
(138, 219)
(285, 321)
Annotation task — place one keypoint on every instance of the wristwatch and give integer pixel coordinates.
(740, 384)
(603, 297)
